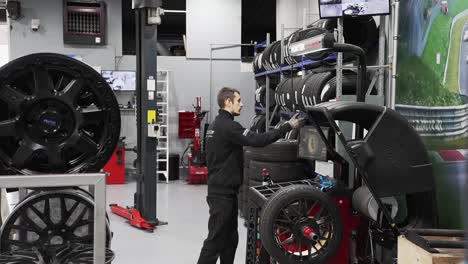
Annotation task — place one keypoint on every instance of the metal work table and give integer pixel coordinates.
(95, 180)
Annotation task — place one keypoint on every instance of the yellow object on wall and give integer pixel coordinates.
(152, 116)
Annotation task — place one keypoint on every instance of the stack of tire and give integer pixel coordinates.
(279, 159)
(258, 122)
(297, 93)
(359, 31)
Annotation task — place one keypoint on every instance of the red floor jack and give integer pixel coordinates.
(198, 171)
(133, 215)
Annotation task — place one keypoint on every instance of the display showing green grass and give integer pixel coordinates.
(451, 80)
(420, 79)
(436, 144)
(418, 85)
(449, 199)
(457, 7)
(437, 42)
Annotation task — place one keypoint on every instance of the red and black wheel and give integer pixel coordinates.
(300, 224)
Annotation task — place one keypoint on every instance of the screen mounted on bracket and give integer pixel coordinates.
(341, 8)
(120, 80)
(311, 145)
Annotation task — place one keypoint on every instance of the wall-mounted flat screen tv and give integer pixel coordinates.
(341, 8)
(120, 80)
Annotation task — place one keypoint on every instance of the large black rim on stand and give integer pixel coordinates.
(50, 219)
(80, 254)
(29, 256)
(300, 224)
(57, 115)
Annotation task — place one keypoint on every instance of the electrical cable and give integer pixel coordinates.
(371, 244)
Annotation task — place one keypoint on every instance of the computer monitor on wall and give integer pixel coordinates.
(120, 80)
(342, 8)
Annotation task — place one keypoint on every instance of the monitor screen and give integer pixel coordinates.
(340, 8)
(311, 145)
(120, 80)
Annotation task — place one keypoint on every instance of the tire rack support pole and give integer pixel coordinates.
(389, 55)
(380, 86)
(282, 51)
(267, 95)
(146, 57)
(211, 82)
(339, 62)
(213, 48)
(338, 169)
(396, 13)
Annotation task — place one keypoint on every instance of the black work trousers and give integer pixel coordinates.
(222, 231)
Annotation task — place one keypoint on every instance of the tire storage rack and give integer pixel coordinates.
(59, 125)
(286, 84)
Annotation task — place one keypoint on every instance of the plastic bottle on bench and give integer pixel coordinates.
(266, 177)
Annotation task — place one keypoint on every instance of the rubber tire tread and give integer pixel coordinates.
(281, 151)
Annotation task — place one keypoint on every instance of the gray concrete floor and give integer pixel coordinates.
(184, 207)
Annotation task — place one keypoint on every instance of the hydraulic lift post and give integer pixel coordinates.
(143, 214)
(146, 56)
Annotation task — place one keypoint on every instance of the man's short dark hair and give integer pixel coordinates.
(226, 93)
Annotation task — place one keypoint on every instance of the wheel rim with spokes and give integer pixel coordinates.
(300, 224)
(50, 219)
(304, 228)
(29, 256)
(80, 253)
(56, 115)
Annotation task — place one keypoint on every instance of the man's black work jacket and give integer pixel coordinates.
(225, 139)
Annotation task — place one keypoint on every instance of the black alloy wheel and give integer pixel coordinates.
(29, 256)
(57, 115)
(80, 254)
(50, 219)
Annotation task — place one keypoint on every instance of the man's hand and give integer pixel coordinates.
(296, 122)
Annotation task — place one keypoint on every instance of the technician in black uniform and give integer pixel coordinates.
(224, 141)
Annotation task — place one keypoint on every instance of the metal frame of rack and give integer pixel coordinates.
(387, 32)
(214, 47)
(387, 61)
(162, 91)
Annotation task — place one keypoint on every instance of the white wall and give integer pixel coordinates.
(291, 14)
(4, 44)
(213, 21)
(189, 79)
(49, 37)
